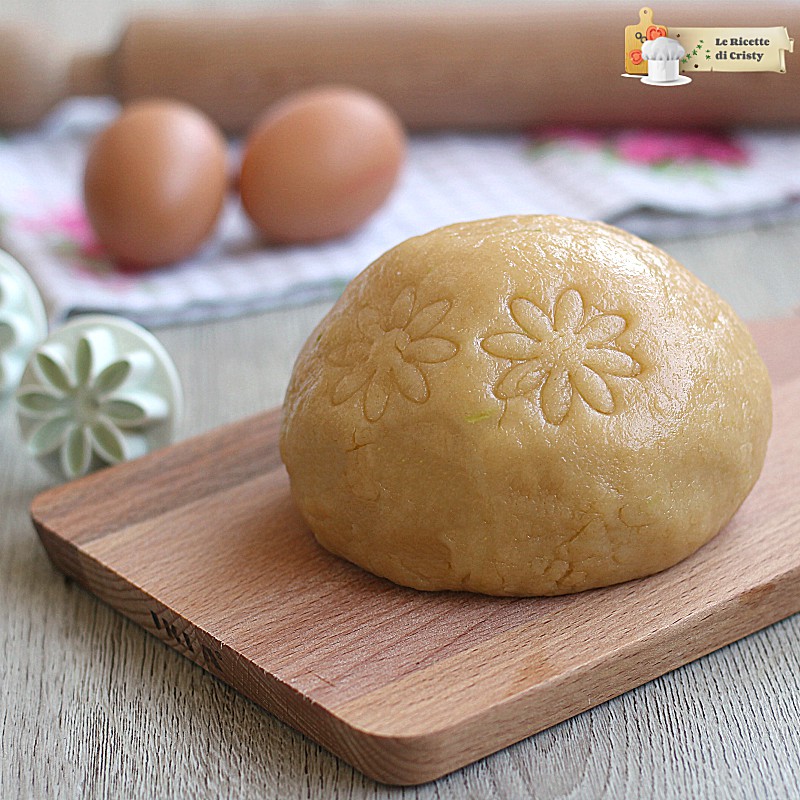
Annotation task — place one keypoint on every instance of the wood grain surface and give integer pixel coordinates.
(200, 544)
(92, 706)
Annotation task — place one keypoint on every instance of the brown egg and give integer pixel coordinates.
(155, 182)
(320, 163)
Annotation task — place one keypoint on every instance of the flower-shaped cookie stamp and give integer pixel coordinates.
(99, 391)
(573, 351)
(23, 322)
(389, 356)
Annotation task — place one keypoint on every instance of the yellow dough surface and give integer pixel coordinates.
(527, 405)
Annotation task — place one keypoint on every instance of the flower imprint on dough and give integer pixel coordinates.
(81, 407)
(388, 356)
(571, 351)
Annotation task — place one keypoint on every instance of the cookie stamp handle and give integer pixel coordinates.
(23, 321)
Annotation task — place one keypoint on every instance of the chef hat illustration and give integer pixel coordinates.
(662, 49)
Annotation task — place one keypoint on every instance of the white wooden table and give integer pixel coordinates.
(92, 706)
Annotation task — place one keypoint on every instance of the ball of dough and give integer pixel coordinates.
(528, 405)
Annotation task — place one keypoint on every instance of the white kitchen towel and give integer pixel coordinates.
(654, 184)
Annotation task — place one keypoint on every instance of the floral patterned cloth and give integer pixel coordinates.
(656, 184)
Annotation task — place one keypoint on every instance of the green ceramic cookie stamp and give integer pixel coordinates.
(99, 391)
(23, 322)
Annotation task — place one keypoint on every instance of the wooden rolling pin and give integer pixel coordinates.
(475, 67)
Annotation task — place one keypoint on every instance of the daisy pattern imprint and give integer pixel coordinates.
(387, 357)
(571, 351)
(99, 391)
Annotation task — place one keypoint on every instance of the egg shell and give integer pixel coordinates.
(154, 183)
(320, 163)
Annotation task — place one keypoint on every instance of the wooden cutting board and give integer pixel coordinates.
(200, 545)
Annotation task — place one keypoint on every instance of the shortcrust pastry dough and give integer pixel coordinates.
(527, 405)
